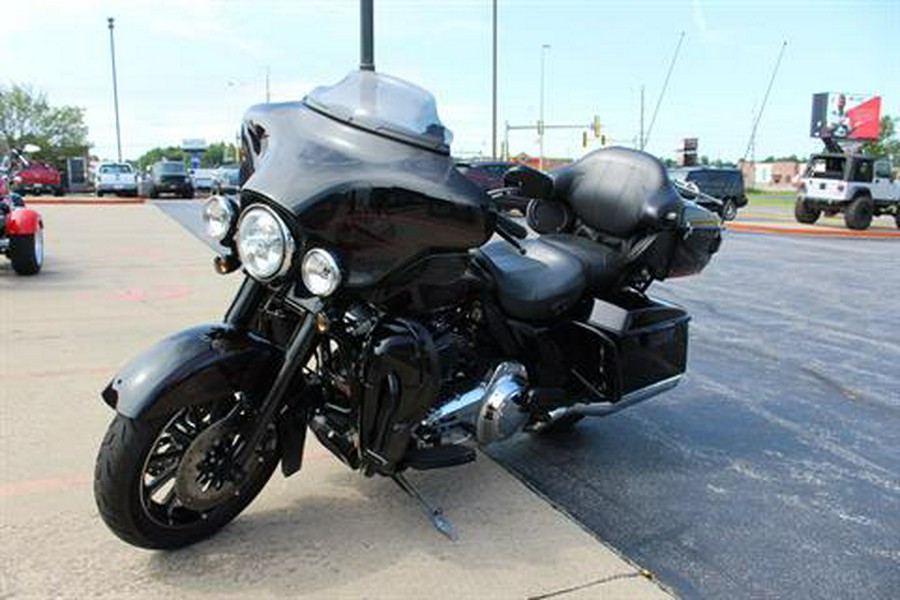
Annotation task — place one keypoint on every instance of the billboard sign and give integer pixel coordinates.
(845, 116)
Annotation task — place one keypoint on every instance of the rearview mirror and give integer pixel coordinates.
(531, 182)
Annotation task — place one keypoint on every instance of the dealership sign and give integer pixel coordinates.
(845, 116)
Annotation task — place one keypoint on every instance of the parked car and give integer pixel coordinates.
(36, 177)
(203, 179)
(226, 180)
(116, 178)
(167, 177)
(724, 185)
(489, 176)
(858, 186)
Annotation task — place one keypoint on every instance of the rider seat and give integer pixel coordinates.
(540, 284)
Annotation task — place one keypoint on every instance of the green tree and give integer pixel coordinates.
(218, 154)
(887, 143)
(27, 118)
(158, 154)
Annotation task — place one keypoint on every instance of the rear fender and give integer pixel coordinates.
(23, 221)
(191, 367)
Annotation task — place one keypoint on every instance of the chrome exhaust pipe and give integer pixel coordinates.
(604, 409)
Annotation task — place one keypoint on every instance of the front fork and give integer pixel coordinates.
(240, 314)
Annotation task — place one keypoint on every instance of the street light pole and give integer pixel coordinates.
(112, 52)
(544, 49)
(494, 89)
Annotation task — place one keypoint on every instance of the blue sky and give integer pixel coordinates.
(189, 69)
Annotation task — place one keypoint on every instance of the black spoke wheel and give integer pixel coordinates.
(170, 482)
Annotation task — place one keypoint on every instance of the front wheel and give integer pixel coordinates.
(805, 213)
(859, 214)
(27, 252)
(169, 482)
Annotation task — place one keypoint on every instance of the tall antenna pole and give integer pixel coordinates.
(752, 140)
(663, 90)
(641, 143)
(112, 52)
(366, 36)
(494, 92)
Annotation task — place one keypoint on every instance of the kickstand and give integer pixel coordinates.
(434, 514)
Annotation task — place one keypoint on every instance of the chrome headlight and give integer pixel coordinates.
(264, 243)
(320, 272)
(219, 215)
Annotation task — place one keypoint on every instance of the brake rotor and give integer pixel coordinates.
(208, 474)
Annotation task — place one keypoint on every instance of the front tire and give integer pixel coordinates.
(26, 252)
(729, 210)
(859, 214)
(804, 213)
(135, 481)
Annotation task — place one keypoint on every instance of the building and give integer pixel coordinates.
(772, 174)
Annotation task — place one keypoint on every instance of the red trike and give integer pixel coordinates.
(21, 228)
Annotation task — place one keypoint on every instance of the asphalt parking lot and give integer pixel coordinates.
(773, 470)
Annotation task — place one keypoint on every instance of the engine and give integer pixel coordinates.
(395, 384)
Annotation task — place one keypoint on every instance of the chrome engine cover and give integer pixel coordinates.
(491, 410)
(501, 413)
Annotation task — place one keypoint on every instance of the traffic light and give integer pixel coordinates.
(603, 140)
(540, 127)
(595, 126)
(584, 139)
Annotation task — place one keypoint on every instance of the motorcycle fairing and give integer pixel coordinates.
(191, 367)
(378, 202)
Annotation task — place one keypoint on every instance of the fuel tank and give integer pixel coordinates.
(378, 202)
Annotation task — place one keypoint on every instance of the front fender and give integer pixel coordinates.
(191, 367)
(23, 221)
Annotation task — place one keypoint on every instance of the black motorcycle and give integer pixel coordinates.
(392, 310)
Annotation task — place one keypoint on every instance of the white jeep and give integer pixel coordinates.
(858, 186)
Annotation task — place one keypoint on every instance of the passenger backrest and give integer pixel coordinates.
(619, 191)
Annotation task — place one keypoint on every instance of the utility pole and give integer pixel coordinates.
(544, 49)
(494, 92)
(112, 52)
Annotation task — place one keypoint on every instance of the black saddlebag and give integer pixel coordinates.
(627, 346)
(684, 249)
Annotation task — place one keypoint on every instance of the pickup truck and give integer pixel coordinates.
(35, 177)
(116, 178)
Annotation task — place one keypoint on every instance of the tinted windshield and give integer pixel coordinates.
(171, 167)
(384, 105)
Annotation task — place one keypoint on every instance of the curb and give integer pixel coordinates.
(810, 230)
(83, 200)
